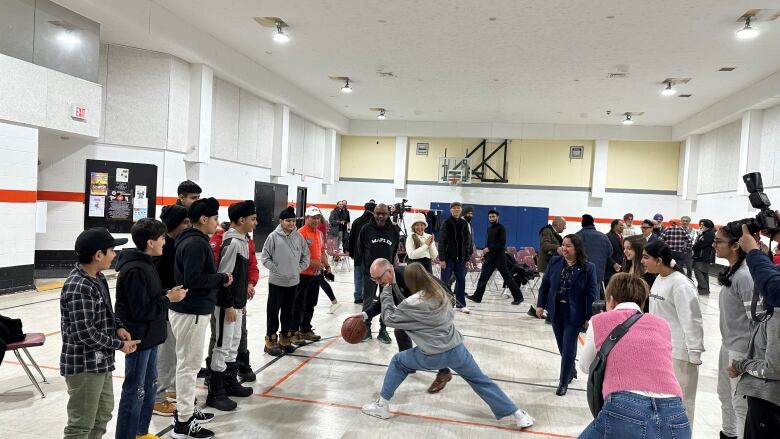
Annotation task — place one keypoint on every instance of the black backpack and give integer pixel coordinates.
(598, 368)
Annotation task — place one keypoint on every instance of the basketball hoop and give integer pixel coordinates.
(453, 180)
(454, 177)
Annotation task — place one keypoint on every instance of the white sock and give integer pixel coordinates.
(519, 414)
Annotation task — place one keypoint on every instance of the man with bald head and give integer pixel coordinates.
(378, 240)
(550, 240)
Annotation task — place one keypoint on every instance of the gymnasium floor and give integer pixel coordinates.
(317, 392)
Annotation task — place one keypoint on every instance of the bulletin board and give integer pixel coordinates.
(117, 194)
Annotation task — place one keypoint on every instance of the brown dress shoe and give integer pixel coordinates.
(442, 378)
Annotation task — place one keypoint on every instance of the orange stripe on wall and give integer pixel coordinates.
(16, 196)
(76, 197)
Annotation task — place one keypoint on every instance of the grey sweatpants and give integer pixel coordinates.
(733, 407)
(228, 338)
(687, 375)
(190, 331)
(166, 366)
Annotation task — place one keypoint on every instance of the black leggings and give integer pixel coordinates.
(326, 287)
(763, 418)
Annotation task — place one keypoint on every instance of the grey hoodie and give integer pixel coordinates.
(285, 256)
(428, 324)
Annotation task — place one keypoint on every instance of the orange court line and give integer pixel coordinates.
(43, 366)
(413, 415)
(298, 367)
(581, 340)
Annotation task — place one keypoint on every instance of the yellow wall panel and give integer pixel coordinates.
(643, 165)
(547, 163)
(361, 157)
(426, 168)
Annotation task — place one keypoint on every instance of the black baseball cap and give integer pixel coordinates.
(91, 240)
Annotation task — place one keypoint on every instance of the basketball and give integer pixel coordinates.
(353, 330)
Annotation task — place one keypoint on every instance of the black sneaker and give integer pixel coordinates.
(189, 429)
(202, 417)
(517, 301)
(473, 299)
(384, 337)
(358, 301)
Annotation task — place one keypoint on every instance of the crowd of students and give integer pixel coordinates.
(185, 277)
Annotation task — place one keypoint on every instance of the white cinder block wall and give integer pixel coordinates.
(18, 182)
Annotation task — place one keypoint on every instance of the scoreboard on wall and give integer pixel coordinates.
(117, 194)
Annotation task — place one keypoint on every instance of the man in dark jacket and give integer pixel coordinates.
(175, 219)
(597, 247)
(384, 276)
(142, 305)
(704, 255)
(378, 240)
(455, 248)
(195, 270)
(351, 248)
(338, 220)
(614, 262)
(550, 240)
(494, 257)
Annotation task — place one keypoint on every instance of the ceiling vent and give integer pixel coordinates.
(269, 22)
(617, 75)
(676, 81)
(726, 69)
(386, 74)
(685, 96)
(340, 78)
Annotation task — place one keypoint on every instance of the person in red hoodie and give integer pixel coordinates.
(245, 372)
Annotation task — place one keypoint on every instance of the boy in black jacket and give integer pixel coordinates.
(231, 300)
(455, 248)
(142, 305)
(175, 219)
(195, 270)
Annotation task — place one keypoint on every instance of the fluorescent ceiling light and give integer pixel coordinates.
(347, 88)
(747, 32)
(668, 91)
(627, 120)
(280, 36)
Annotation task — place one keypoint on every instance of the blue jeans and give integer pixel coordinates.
(459, 268)
(628, 415)
(460, 360)
(358, 277)
(138, 393)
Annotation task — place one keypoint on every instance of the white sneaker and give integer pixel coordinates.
(464, 310)
(377, 409)
(333, 307)
(523, 419)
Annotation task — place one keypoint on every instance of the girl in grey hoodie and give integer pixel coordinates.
(427, 318)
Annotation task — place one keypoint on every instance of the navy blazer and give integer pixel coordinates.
(583, 292)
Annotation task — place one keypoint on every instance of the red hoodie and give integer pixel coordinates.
(216, 247)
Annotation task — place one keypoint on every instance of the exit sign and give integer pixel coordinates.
(79, 112)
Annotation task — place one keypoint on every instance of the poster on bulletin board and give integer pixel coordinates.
(117, 194)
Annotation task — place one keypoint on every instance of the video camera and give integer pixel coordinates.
(765, 220)
(402, 207)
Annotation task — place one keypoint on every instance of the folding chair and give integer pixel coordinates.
(338, 257)
(31, 340)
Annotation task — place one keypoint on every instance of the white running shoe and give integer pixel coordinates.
(523, 419)
(377, 409)
(333, 307)
(464, 310)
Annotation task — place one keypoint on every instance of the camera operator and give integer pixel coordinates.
(765, 275)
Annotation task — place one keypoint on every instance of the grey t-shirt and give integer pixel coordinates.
(735, 322)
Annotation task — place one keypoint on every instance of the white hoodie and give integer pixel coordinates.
(674, 299)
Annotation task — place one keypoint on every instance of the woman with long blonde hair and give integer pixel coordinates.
(427, 318)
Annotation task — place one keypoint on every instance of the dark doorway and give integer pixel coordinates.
(300, 205)
(270, 200)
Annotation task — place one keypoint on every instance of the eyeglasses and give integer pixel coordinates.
(378, 278)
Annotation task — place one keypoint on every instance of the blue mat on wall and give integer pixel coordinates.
(522, 223)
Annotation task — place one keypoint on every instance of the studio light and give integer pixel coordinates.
(747, 32)
(627, 120)
(381, 115)
(347, 88)
(280, 36)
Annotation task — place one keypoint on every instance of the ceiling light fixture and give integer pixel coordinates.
(347, 88)
(747, 32)
(668, 91)
(381, 115)
(627, 120)
(280, 36)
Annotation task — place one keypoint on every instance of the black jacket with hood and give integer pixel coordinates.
(455, 241)
(377, 242)
(195, 270)
(357, 226)
(141, 302)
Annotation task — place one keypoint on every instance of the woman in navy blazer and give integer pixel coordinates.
(568, 290)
